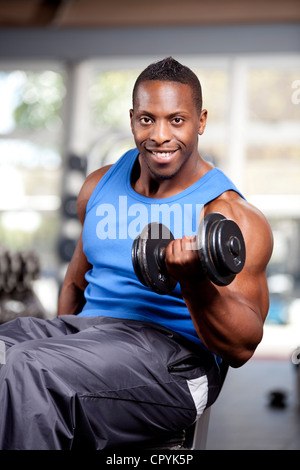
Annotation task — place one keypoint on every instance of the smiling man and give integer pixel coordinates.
(166, 124)
(122, 364)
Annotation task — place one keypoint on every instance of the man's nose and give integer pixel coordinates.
(161, 132)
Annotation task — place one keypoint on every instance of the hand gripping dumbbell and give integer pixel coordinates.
(220, 245)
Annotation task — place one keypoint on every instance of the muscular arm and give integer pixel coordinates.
(229, 320)
(71, 298)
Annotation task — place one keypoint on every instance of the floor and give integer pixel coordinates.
(245, 416)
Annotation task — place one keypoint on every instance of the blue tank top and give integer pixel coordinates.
(115, 215)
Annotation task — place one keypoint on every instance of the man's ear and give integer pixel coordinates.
(131, 117)
(202, 121)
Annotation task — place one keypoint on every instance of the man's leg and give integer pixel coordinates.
(28, 328)
(102, 387)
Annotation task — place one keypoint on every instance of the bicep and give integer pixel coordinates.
(250, 285)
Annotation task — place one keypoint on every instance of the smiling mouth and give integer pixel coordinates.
(163, 154)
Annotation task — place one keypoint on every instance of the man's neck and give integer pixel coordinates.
(146, 184)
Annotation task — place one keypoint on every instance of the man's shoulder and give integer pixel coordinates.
(252, 222)
(232, 205)
(87, 189)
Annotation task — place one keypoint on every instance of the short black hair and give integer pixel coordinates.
(171, 70)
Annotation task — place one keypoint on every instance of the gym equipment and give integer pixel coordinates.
(277, 399)
(220, 245)
(66, 247)
(18, 270)
(69, 206)
(77, 163)
(20, 304)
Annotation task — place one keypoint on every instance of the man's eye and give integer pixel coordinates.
(178, 120)
(145, 120)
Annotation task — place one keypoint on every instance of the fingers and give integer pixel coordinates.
(182, 260)
(182, 250)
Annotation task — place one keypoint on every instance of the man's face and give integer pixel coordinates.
(165, 124)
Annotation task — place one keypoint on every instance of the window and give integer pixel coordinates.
(273, 150)
(31, 131)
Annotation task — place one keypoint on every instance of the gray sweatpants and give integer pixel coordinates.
(98, 383)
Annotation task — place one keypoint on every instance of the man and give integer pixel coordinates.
(124, 365)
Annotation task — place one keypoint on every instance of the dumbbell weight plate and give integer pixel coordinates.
(229, 247)
(145, 258)
(136, 257)
(221, 248)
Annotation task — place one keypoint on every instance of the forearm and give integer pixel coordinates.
(71, 300)
(228, 326)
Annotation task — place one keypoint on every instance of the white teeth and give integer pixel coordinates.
(162, 154)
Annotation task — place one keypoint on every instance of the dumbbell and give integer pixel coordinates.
(220, 245)
(17, 270)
